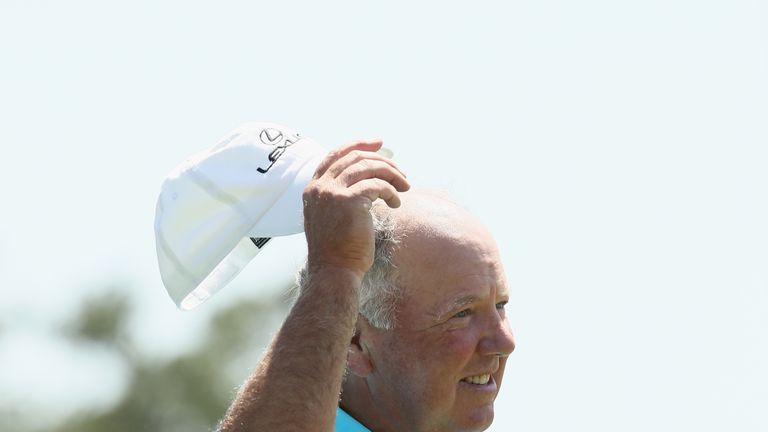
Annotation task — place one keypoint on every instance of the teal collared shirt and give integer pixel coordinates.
(345, 423)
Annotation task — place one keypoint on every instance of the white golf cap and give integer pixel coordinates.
(220, 207)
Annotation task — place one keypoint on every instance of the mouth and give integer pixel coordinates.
(482, 382)
(477, 379)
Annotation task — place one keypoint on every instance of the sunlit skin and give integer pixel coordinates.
(296, 385)
(451, 324)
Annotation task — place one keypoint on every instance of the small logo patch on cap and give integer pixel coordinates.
(260, 241)
(271, 136)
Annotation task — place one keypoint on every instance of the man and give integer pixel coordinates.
(418, 342)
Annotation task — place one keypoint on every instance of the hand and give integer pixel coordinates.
(337, 203)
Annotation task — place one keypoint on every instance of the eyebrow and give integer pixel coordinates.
(459, 302)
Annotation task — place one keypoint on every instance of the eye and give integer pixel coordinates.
(500, 305)
(463, 314)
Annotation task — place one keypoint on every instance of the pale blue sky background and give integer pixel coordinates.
(617, 150)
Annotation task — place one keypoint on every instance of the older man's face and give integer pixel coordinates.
(441, 367)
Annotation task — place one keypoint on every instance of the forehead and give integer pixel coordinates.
(437, 269)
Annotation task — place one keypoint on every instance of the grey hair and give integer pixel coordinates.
(379, 292)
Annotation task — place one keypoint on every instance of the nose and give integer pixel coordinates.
(498, 339)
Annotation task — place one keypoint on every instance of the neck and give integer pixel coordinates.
(357, 401)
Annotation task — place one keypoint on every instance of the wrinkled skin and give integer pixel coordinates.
(451, 324)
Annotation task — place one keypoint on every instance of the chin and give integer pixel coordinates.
(479, 419)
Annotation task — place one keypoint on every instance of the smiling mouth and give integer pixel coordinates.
(477, 379)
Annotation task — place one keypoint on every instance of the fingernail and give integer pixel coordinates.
(387, 153)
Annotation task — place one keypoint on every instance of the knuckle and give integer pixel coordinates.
(364, 164)
(333, 155)
(310, 192)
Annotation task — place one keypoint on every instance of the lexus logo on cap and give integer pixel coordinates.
(271, 136)
(274, 137)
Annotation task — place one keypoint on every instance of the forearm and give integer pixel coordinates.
(297, 384)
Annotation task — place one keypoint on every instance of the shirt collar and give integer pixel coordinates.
(346, 423)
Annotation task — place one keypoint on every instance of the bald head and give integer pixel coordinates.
(405, 235)
(411, 233)
(426, 215)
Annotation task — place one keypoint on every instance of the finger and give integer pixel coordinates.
(371, 168)
(354, 157)
(333, 156)
(375, 188)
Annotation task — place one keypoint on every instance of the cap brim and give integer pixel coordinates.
(225, 271)
(289, 207)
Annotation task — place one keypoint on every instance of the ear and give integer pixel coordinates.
(359, 361)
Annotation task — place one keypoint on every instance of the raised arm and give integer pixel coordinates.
(296, 386)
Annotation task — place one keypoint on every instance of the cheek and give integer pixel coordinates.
(441, 356)
(402, 373)
(457, 348)
(421, 372)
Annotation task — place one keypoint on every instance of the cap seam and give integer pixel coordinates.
(180, 268)
(210, 187)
